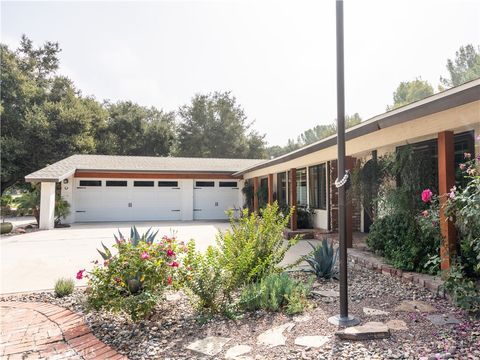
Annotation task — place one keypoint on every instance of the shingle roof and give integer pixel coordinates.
(66, 167)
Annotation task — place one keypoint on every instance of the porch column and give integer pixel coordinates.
(349, 165)
(47, 206)
(270, 188)
(255, 194)
(293, 198)
(446, 180)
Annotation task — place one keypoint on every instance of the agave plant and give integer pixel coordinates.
(322, 260)
(134, 239)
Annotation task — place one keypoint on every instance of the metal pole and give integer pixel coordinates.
(343, 319)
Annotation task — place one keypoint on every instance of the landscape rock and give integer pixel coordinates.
(415, 306)
(443, 319)
(326, 293)
(369, 331)
(236, 352)
(274, 336)
(210, 346)
(313, 341)
(370, 311)
(397, 325)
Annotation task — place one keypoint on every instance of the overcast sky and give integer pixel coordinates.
(276, 57)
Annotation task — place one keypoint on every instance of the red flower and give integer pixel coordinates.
(169, 280)
(170, 253)
(173, 264)
(80, 274)
(427, 195)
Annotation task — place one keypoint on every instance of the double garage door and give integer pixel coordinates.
(151, 200)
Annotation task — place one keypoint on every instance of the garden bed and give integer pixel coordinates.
(174, 325)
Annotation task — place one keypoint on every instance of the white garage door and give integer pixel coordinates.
(126, 200)
(212, 198)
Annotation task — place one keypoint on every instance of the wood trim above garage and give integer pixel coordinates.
(138, 175)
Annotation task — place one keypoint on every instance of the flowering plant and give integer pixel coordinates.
(135, 277)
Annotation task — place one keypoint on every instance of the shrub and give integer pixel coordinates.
(322, 260)
(254, 247)
(305, 217)
(274, 292)
(64, 287)
(204, 278)
(133, 280)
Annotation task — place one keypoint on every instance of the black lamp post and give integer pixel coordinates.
(343, 319)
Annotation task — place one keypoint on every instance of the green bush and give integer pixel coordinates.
(254, 247)
(405, 240)
(274, 292)
(64, 287)
(133, 280)
(322, 260)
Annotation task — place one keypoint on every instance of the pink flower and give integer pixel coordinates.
(425, 213)
(105, 263)
(80, 274)
(427, 195)
(145, 256)
(451, 195)
(471, 171)
(462, 166)
(169, 280)
(467, 155)
(170, 253)
(173, 264)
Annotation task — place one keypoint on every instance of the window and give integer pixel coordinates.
(168, 183)
(116, 183)
(232, 184)
(282, 189)
(318, 186)
(204, 183)
(143, 183)
(90, 182)
(302, 187)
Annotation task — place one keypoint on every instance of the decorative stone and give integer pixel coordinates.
(314, 341)
(210, 346)
(372, 312)
(369, 331)
(415, 306)
(396, 325)
(274, 336)
(441, 320)
(326, 293)
(236, 352)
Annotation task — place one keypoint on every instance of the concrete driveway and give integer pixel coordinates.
(35, 260)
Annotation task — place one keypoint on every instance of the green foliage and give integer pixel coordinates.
(62, 209)
(247, 191)
(133, 280)
(410, 91)
(274, 292)
(463, 290)
(214, 125)
(465, 67)
(64, 287)
(29, 202)
(323, 259)
(254, 246)
(205, 279)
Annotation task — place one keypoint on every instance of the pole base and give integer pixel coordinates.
(344, 321)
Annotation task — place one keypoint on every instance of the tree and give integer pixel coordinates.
(214, 125)
(465, 67)
(136, 130)
(410, 91)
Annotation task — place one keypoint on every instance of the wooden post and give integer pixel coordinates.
(446, 180)
(293, 198)
(270, 189)
(255, 194)
(349, 165)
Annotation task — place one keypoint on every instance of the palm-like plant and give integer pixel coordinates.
(30, 201)
(322, 260)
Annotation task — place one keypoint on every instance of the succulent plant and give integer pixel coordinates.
(135, 239)
(322, 260)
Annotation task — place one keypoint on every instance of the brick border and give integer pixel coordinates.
(75, 333)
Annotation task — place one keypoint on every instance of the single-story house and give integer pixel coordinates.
(128, 188)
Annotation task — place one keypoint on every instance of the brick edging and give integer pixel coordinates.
(376, 263)
(75, 331)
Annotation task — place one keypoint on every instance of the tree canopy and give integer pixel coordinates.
(465, 67)
(410, 91)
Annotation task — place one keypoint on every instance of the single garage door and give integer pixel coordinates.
(212, 198)
(126, 200)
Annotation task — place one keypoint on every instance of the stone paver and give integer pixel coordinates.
(369, 331)
(415, 306)
(46, 331)
(313, 341)
(238, 352)
(398, 325)
(274, 336)
(374, 312)
(440, 320)
(210, 346)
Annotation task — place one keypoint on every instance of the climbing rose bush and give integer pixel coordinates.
(133, 280)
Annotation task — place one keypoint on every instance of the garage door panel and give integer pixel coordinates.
(212, 203)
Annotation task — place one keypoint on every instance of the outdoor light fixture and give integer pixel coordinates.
(343, 319)
(65, 181)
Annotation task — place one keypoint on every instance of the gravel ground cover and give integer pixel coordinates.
(175, 325)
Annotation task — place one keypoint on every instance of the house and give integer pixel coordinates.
(126, 188)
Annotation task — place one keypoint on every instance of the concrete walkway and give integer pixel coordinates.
(45, 331)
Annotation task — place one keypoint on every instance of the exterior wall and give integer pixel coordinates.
(67, 194)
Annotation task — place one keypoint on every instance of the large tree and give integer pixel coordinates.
(44, 118)
(214, 125)
(410, 91)
(465, 67)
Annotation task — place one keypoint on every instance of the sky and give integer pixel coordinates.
(276, 57)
